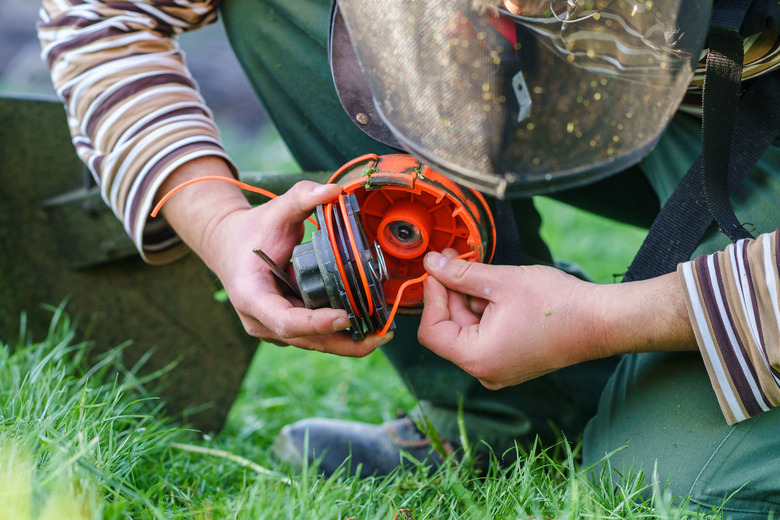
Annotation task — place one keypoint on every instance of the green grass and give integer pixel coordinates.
(86, 440)
(603, 248)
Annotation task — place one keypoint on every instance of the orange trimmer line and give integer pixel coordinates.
(231, 180)
(337, 255)
(403, 287)
(351, 235)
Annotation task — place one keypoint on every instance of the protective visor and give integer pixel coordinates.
(568, 93)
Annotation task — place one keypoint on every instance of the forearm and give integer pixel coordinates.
(535, 319)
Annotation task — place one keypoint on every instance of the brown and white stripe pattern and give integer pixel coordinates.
(733, 300)
(134, 111)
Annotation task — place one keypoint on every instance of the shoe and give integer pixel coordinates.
(375, 449)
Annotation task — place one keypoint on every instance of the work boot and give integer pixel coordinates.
(377, 449)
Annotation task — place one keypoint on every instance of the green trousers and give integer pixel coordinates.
(657, 410)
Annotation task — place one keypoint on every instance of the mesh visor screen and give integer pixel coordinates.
(567, 93)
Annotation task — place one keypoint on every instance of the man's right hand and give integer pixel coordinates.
(217, 222)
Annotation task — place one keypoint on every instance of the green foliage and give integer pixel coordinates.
(72, 432)
(82, 439)
(603, 248)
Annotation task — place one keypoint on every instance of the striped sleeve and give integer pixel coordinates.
(732, 298)
(134, 111)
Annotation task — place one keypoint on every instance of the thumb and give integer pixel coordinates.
(300, 200)
(472, 278)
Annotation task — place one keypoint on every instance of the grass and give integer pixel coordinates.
(603, 248)
(85, 440)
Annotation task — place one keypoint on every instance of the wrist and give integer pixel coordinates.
(198, 211)
(643, 316)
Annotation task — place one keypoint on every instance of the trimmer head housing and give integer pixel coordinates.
(374, 238)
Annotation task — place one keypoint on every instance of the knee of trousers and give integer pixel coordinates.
(659, 416)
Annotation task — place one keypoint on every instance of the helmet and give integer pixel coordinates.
(563, 94)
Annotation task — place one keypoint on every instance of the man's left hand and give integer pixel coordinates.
(508, 324)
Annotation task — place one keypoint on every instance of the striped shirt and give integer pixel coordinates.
(133, 109)
(135, 115)
(733, 299)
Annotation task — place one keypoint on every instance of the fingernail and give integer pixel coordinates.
(340, 323)
(437, 260)
(319, 189)
(385, 339)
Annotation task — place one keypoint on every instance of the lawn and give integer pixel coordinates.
(84, 441)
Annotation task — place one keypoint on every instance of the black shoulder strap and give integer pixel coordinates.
(735, 133)
(685, 217)
(722, 80)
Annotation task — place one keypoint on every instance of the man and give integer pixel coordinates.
(140, 125)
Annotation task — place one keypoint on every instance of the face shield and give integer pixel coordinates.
(566, 93)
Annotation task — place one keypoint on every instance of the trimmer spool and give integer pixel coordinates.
(409, 210)
(398, 210)
(339, 269)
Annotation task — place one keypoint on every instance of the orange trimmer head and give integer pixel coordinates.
(373, 240)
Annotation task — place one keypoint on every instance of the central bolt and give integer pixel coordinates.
(405, 229)
(405, 232)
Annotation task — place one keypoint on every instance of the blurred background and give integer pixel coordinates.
(253, 143)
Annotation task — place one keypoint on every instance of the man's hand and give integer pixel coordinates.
(218, 223)
(506, 324)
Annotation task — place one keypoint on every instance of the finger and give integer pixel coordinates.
(450, 252)
(285, 318)
(470, 278)
(338, 343)
(513, 6)
(299, 202)
(342, 344)
(457, 303)
(524, 7)
(287, 321)
(478, 305)
(436, 306)
(460, 311)
(437, 330)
